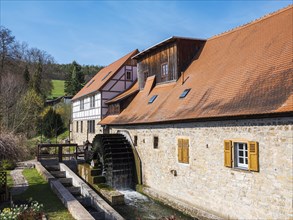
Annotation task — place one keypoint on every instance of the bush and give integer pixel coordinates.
(52, 124)
(12, 147)
(7, 165)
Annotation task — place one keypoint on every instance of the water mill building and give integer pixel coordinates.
(215, 136)
(211, 120)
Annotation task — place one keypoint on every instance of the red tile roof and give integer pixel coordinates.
(103, 76)
(247, 71)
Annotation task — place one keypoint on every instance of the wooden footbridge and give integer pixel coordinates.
(60, 152)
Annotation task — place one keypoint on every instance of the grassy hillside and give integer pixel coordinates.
(58, 88)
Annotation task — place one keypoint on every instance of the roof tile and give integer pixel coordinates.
(247, 71)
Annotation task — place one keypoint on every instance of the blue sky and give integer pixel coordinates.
(99, 32)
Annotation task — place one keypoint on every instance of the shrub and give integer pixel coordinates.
(8, 164)
(12, 147)
(52, 124)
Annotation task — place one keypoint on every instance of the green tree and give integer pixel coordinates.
(26, 75)
(52, 124)
(37, 79)
(28, 112)
(74, 79)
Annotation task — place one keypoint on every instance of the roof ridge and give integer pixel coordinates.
(252, 22)
(122, 57)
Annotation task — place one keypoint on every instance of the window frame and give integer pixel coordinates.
(236, 157)
(164, 71)
(152, 99)
(81, 104)
(81, 126)
(76, 128)
(155, 142)
(130, 75)
(91, 126)
(184, 93)
(92, 101)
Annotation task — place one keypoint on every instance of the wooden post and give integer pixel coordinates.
(38, 152)
(60, 153)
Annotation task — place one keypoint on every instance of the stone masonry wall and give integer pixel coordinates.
(205, 182)
(80, 137)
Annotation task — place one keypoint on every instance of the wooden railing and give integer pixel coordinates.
(58, 151)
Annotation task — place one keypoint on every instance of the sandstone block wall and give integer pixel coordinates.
(205, 182)
(80, 137)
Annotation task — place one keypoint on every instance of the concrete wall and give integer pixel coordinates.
(205, 184)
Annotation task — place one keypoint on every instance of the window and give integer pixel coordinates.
(81, 126)
(184, 93)
(183, 150)
(164, 69)
(106, 76)
(91, 126)
(146, 75)
(128, 75)
(241, 155)
(156, 142)
(90, 83)
(81, 104)
(244, 154)
(135, 140)
(152, 99)
(76, 126)
(92, 101)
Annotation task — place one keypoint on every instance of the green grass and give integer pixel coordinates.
(39, 190)
(58, 88)
(9, 179)
(60, 137)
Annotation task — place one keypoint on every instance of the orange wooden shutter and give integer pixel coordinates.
(180, 149)
(253, 156)
(228, 153)
(185, 151)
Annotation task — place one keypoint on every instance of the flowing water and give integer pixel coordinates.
(138, 206)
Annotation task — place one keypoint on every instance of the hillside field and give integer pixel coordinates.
(58, 88)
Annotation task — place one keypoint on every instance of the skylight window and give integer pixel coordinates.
(106, 75)
(90, 83)
(152, 99)
(184, 93)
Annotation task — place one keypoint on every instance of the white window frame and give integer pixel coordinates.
(92, 101)
(240, 161)
(81, 104)
(164, 69)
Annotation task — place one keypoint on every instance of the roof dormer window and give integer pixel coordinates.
(106, 75)
(184, 93)
(152, 99)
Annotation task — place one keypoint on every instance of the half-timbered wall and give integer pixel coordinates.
(116, 85)
(87, 113)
